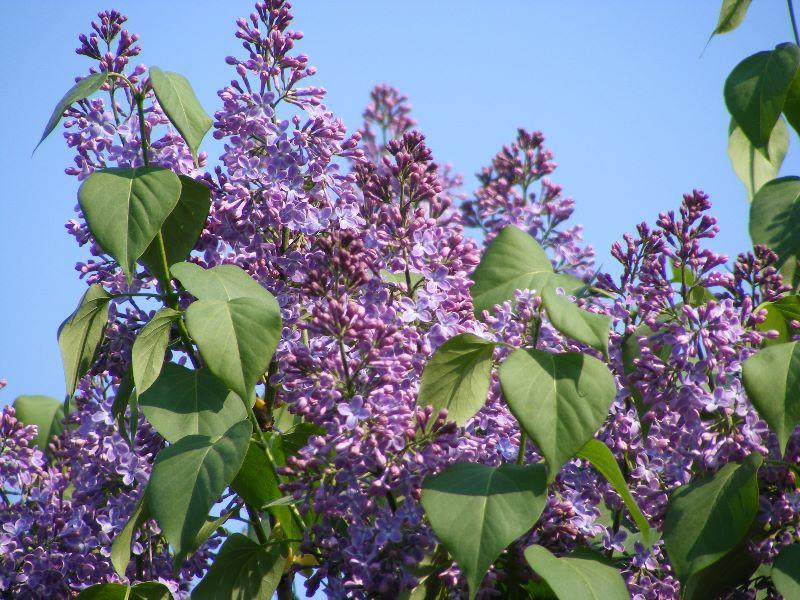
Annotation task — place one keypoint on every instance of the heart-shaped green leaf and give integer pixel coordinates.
(583, 574)
(189, 476)
(513, 261)
(756, 89)
(786, 571)
(236, 338)
(750, 165)
(707, 518)
(771, 378)
(83, 89)
(182, 228)
(149, 590)
(125, 209)
(43, 411)
(597, 453)
(223, 282)
(150, 346)
(477, 510)
(775, 221)
(177, 98)
(458, 376)
(183, 402)
(243, 570)
(581, 325)
(560, 400)
(80, 335)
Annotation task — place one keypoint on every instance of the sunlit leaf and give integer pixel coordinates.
(177, 98)
(81, 90)
(457, 377)
(80, 335)
(709, 517)
(560, 400)
(125, 209)
(477, 510)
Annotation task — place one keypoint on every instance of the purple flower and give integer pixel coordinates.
(353, 412)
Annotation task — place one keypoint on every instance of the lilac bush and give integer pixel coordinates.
(321, 357)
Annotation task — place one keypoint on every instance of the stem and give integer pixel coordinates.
(296, 517)
(523, 441)
(257, 525)
(794, 22)
(523, 437)
(137, 295)
(285, 589)
(172, 296)
(142, 133)
(172, 300)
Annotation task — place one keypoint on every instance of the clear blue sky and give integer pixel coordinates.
(633, 113)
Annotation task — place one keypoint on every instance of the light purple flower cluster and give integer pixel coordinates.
(362, 240)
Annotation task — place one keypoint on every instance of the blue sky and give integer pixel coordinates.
(632, 112)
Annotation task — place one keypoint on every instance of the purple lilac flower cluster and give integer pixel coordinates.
(362, 240)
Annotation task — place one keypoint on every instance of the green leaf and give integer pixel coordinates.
(150, 590)
(291, 441)
(182, 228)
(121, 546)
(580, 325)
(775, 220)
(708, 518)
(756, 90)
(779, 315)
(183, 402)
(121, 401)
(80, 335)
(583, 574)
(81, 90)
(43, 411)
(125, 209)
(560, 400)
(791, 107)
(150, 346)
(206, 531)
(734, 569)
(513, 261)
(177, 98)
(283, 419)
(457, 377)
(477, 510)
(257, 484)
(786, 571)
(223, 282)
(750, 165)
(771, 379)
(731, 15)
(597, 453)
(243, 570)
(236, 338)
(189, 476)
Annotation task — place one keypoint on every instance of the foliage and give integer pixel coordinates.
(303, 345)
